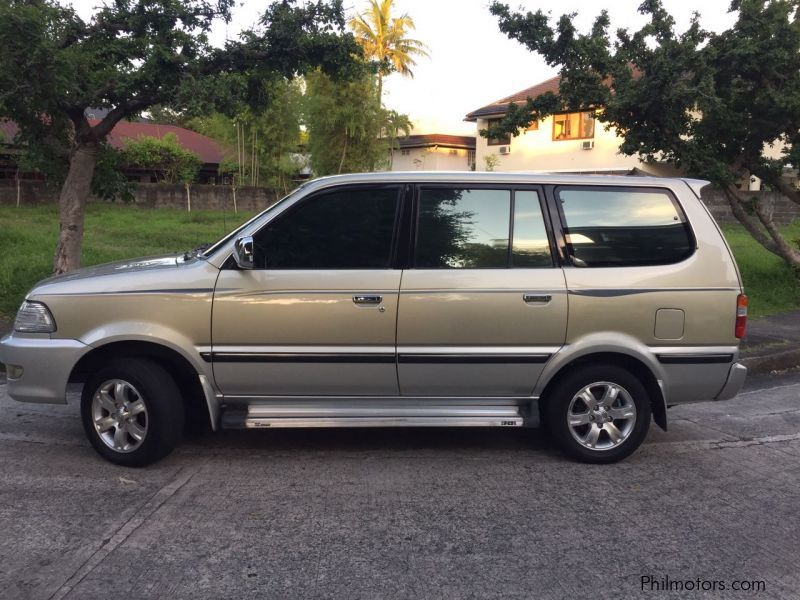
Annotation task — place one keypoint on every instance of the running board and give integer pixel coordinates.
(262, 423)
(258, 416)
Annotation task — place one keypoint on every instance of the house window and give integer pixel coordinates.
(498, 141)
(534, 126)
(573, 126)
(405, 152)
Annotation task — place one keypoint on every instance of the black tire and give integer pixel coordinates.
(163, 418)
(556, 406)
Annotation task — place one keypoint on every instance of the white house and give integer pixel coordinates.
(566, 142)
(434, 152)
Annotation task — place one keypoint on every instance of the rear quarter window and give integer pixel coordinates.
(619, 227)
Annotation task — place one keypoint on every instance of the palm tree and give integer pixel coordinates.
(396, 124)
(383, 38)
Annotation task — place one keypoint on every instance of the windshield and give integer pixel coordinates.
(217, 245)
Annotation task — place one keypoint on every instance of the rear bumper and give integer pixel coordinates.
(734, 383)
(45, 367)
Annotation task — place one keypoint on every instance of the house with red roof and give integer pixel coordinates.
(203, 146)
(566, 142)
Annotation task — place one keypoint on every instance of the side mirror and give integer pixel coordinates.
(243, 253)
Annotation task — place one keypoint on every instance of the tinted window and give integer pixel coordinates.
(343, 229)
(463, 229)
(613, 227)
(530, 248)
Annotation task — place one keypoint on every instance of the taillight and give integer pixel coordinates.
(741, 315)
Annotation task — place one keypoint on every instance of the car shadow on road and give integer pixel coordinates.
(385, 442)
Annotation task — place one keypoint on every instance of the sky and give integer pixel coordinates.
(471, 63)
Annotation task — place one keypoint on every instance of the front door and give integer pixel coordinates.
(484, 307)
(317, 316)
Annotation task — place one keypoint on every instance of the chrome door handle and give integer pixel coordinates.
(368, 299)
(536, 298)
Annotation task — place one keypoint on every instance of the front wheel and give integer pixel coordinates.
(132, 412)
(598, 413)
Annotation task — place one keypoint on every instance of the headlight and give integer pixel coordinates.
(34, 317)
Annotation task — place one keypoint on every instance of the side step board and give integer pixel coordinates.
(374, 414)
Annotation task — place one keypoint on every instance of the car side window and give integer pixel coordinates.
(340, 229)
(623, 227)
(531, 247)
(460, 228)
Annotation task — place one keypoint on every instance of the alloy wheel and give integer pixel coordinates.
(119, 415)
(601, 416)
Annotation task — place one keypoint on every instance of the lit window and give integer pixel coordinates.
(573, 126)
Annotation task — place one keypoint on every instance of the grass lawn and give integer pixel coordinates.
(28, 236)
(770, 285)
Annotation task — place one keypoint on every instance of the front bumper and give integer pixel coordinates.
(734, 382)
(46, 365)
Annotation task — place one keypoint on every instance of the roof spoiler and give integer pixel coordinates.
(696, 185)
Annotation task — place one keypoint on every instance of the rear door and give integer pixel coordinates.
(483, 305)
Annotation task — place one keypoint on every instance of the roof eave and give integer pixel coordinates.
(474, 116)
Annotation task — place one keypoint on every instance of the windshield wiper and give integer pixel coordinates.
(195, 251)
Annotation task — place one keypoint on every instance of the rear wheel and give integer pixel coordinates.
(132, 412)
(598, 413)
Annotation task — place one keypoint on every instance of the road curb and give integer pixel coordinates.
(772, 362)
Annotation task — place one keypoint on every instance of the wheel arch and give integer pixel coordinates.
(187, 378)
(626, 361)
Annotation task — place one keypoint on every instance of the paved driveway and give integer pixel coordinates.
(406, 513)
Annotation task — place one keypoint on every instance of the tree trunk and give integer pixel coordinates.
(344, 153)
(783, 186)
(233, 189)
(72, 206)
(762, 228)
(188, 197)
(788, 253)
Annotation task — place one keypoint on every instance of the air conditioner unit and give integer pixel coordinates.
(587, 145)
(505, 150)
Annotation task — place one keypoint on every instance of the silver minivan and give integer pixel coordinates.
(587, 304)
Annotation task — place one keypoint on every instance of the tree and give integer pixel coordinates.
(279, 125)
(164, 115)
(721, 106)
(344, 124)
(135, 54)
(397, 124)
(260, 145)
(383, 39)
(164, 158)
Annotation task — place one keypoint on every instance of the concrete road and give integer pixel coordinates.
(407, 513)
